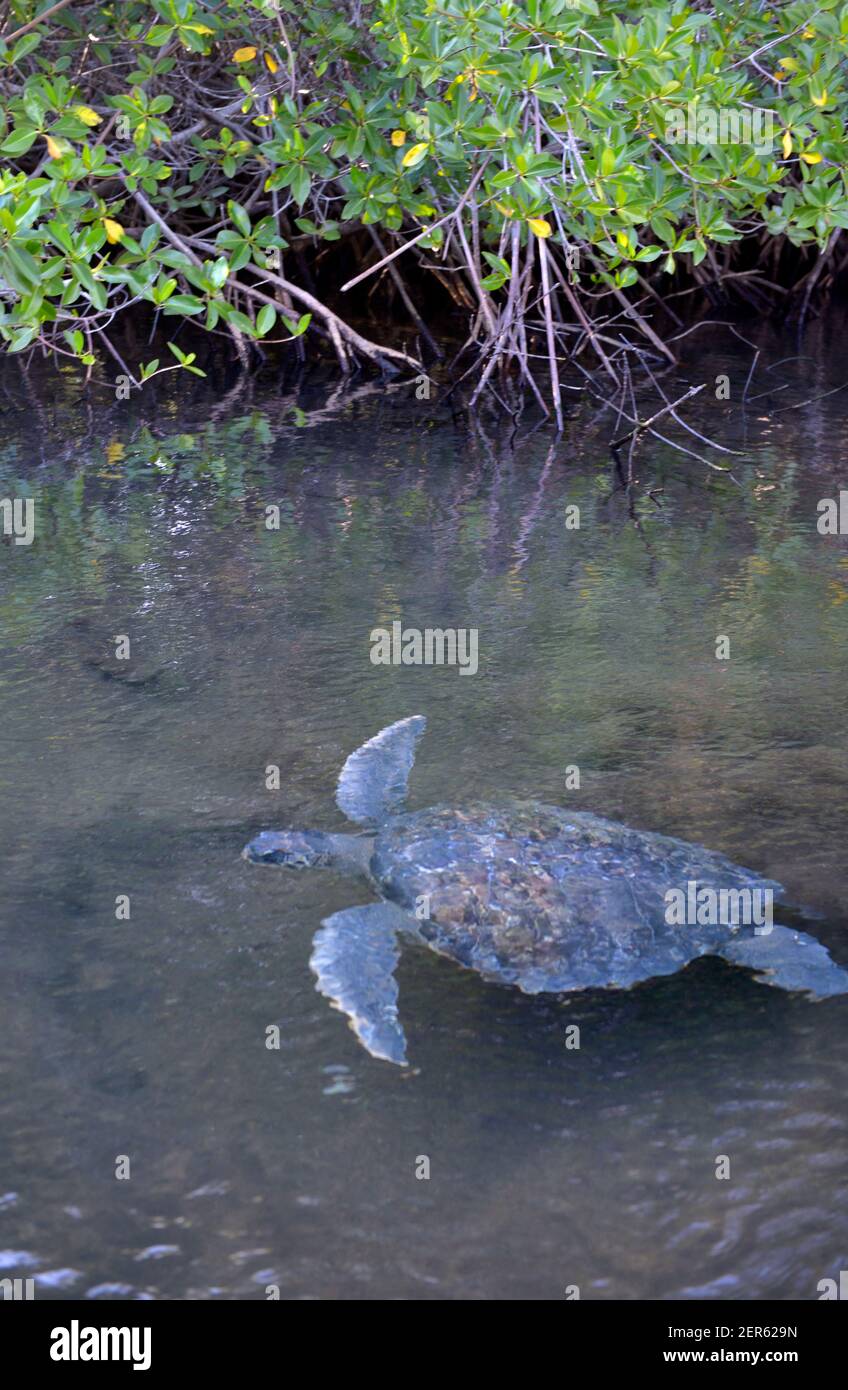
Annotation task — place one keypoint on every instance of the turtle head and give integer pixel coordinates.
(294, 849)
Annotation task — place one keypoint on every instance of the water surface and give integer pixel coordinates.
(250, 647)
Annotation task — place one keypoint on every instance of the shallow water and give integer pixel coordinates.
(549, 1167)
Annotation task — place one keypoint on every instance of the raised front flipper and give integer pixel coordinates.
(354, 957)
(373, 781)
(788, 959)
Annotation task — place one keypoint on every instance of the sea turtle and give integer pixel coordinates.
(526, 894)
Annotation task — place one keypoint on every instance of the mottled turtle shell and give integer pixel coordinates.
(525, 894)
(548, 899)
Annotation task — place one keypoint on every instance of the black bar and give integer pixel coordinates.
(54, 1337)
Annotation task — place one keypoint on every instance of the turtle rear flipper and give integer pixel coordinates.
(372, 784)
(788, 959)
(354, 957)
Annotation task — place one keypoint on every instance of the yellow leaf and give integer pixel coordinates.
(87, 116)
(789, 64)
(398, 138)
(54, 149)
(114, 451)
(787, 144)
(244, 55)
(840, 593)
(779, 76)
(808, 34)
(539, 226)
(114, 230)
(811, 158)
(414, 155)
(822, 100)
(270, 64)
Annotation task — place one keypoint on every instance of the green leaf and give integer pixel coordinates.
(183, 304)
(24, 46)
(265, 320)
(26, 269)
(300, 186)
(22, 337)
(217, 272)
(60, 234)
(239, 217)
(299, 328)
(237, 319)
(19, 141)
